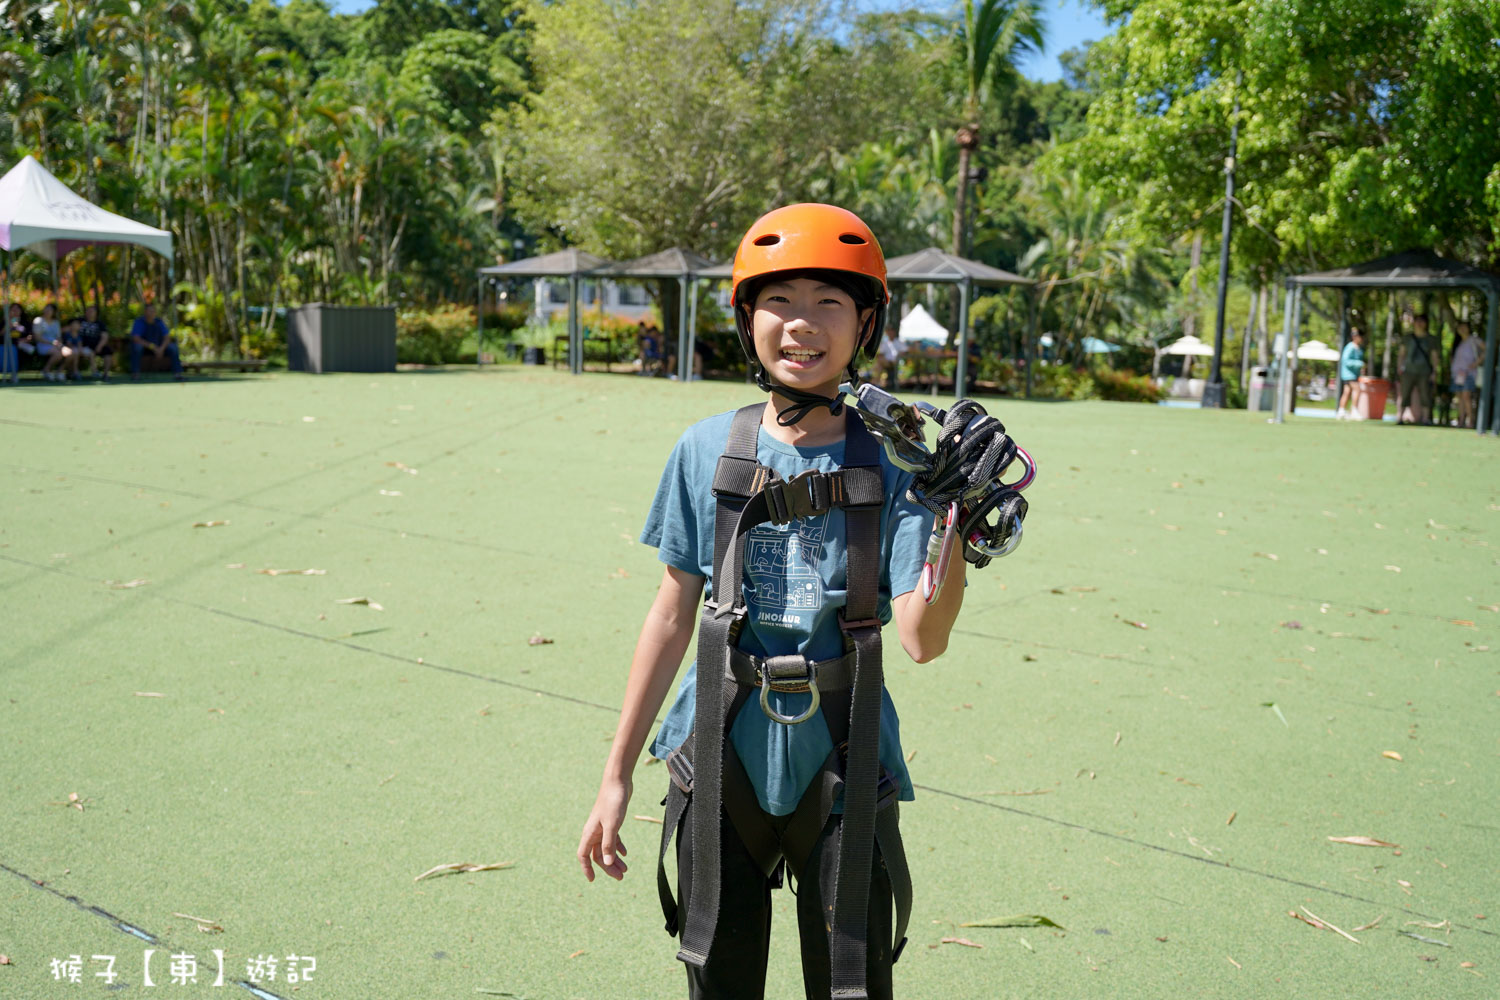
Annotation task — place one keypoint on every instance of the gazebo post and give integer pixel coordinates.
(1031, 337)
(692, 323)
(684, 366)
(575, 346)
(1483, 421)
(13, 359)
(1278, 358)
(961, 371)
(479, 320)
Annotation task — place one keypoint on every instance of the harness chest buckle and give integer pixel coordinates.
(805, 494)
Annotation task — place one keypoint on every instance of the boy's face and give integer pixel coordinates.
(806, 333)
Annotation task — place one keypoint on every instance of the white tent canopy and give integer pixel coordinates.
(1316, 350)
(919, 325)
(1189, 345)
(40, 213)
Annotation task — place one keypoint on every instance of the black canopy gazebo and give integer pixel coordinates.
(683, 265)
(571, 264)
(1411, 269)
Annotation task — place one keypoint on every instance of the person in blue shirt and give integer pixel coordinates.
(1351, 364)
(149, 333)
(809, 295)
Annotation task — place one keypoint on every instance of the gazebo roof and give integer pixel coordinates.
(562, 264)
(673, 263)
(937, 265)
(1408, 269)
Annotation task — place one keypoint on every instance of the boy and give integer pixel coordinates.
(93, 336)
(1351, 363)
(783, 746)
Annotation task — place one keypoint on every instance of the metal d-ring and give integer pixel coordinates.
(787, 720)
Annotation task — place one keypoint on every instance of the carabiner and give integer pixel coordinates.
(1024, 457)
(933, 574)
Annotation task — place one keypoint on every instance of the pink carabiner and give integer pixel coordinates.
(1029, 464)
(934, 575)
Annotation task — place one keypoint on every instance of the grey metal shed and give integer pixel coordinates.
(1408, 269)
(571, 264)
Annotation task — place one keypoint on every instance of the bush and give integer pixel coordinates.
(1125, 386)
(1062, 382)
(434, 336)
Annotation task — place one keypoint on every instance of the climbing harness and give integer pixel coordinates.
(960, 482)
(706, 772)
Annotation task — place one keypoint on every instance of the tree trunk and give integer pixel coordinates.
(967, 138)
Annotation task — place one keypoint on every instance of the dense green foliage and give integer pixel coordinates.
(300, 155)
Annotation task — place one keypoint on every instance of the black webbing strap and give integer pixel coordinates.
(723, 615)
(888, 834)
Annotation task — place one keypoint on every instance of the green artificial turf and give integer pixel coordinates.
(1149, 722)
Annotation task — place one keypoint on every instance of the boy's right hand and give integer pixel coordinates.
(601, 843)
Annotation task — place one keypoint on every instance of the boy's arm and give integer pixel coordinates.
(924, 627)
(658, 654)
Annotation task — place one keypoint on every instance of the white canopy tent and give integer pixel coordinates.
(1316, 350)
(919, 325)
(40, 213)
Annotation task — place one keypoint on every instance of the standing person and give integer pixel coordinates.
(93, 337)
(763, 722)
(1351, 363)
(888, 359)
(1418, 363)
(1465, 371)
(46, 341)
(150, 333)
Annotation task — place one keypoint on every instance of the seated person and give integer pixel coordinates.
(72, 348)
(45, 342)
(19, 329)
(648, 340)
(94, 343)
(149, 333)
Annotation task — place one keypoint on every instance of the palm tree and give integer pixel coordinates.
(994, 34)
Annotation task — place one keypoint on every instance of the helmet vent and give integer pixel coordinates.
(770, 240)
(851, 238)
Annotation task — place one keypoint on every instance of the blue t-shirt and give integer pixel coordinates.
(1351, 361)
(154, 332)
(794, 587)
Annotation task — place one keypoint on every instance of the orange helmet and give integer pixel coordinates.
(810, 237)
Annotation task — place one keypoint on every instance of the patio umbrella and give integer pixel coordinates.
(1189, 345)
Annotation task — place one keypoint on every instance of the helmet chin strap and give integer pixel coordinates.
(803, 403)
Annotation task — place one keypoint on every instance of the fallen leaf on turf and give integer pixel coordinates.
(390, 493)
(1232, 815)
(619, 574)
(539, 640)
(1425, 940)
(1372, 923)
(1462, 621)
(575, 954)
(128, 584)
(235, 566)
(1083, 590)
(1171, 527)
(402, 466)
(1362, 841)
(460, 866)
(148, 694)
(648, 819)
(963, 941)
(1019, 920)
(1234, 963)
(1379, 611)
(205, 924)
(1142, 625)
(359, 600)
(1489, 607)
(1277, 709)
(1294, 625)
(1268, 555)
(911, 756)
(208, 524)
(1393, 569)
(4, 959)
(1461, 965)
(293, 572)
(1393, 755)
(499, 993)
(1039, 791)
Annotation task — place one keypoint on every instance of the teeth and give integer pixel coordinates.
(801, 355)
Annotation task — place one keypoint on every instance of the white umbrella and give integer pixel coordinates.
(1189, 345)
(919, 325)
(1316, 350)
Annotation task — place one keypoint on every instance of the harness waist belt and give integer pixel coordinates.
(791, 673)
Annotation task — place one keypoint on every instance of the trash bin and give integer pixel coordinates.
(512, 351)
(534, 356)
(325, 338)
(1262, 393)
(1372, 396)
